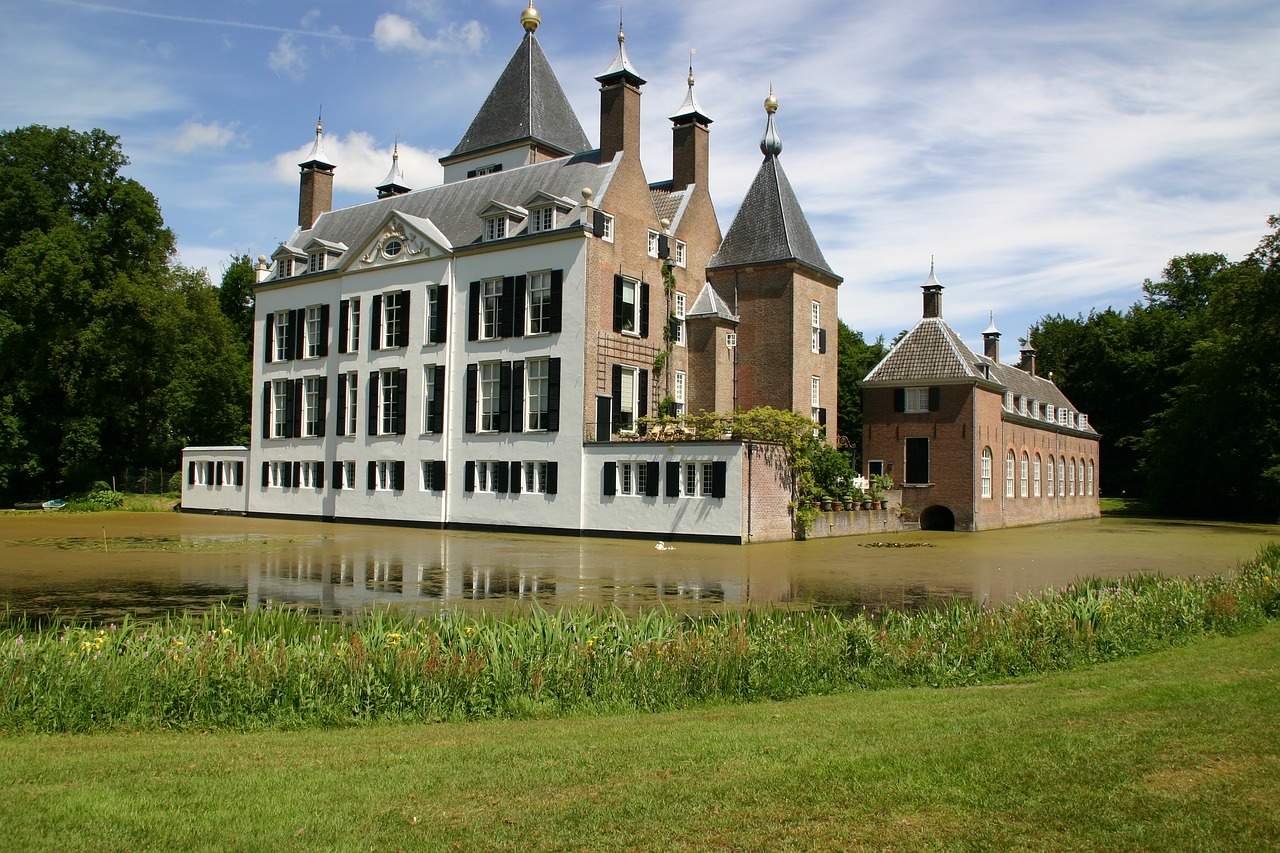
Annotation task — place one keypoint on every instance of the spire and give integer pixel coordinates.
(691, 110)
(771, 142)
(394, 183)
(621, 69)
(317, 157)
(991, 327)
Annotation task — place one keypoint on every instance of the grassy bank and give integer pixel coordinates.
(241, 670)
(1177, 750)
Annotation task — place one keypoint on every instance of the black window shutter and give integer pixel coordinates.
(292, 428)
(402, 399)
(373, 402)
(719, 472)
(266, 474)
(899, 399)
(322, 404)
(473, 311)
(513, 481)
(372, 482)
(337, 475)
(504, 397)
(297, 474)
(673, 479)
(664, 246)
(398, 470)
(442, 313)
(553, 477)
(473, 373)
(609, 479)
(617, 303)
(822, 340)
(822, 417)
(340, 410)
(604, 409)
(437, 475)
(557, 300)
(406, 318)
(597, 223)
(266, 410)
(642, 404)
(268, 338)
(644, 309)
(617, 395)
(651, 479)
(375, 327)
(469, 476)
(553, 395)
(296, 331)
(507, 308)
(502, 484)
(437, 405)
(517, 303)
(319, 476)
(191, 473)
(517, 396)
(324, 329)
(240, 473)
(935, 398)
(344, 324)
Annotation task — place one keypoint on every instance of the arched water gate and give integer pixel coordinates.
(937, 517)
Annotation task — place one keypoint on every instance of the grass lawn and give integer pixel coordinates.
(1177, 750)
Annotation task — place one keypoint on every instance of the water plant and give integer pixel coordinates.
(279, 668)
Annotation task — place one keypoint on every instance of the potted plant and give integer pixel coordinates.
(826, 503)
(880, 483)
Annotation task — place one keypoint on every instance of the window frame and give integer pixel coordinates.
(1036, 474)
(539, 303)
(681, 308)
(280, 392)
(490, 320)
(915, 400)
(389, 402)
(1009, 462)
(679, 391)
(542, 219)
(489, 397)
(495, 228)
(987, 460)
(536, 409)
(1024, 486)
(653, 243)
(632, 285)
(312, 407)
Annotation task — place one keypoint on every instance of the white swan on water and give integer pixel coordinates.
(663, 546)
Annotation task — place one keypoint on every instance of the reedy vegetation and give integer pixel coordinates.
(271, 668)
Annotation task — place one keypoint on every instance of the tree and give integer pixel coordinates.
(855, 359)
(235, 295)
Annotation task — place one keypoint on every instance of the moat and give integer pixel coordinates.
(106, 565)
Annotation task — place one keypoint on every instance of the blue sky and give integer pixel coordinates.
(1051, 155)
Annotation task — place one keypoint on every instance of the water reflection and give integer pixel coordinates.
(151, 564)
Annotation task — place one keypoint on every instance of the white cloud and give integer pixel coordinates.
(194, 136)
(392, 32)
(361, 164)
(289, 58)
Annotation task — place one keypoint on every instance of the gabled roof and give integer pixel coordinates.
(667, 204)
(709, 304)
(526, 104)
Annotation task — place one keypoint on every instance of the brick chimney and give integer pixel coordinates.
(991, 341)
(690, 142)
(315, 190)
(620, 105)
(1028, 362)
(932, 294)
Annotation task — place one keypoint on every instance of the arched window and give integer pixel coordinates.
(986, 472)
(1035, 477)
(1071, 478)
(1022, 491)
(1008, 475)
(1090, 478)
(1062, 476)
(1080, 478)
(1050, 482)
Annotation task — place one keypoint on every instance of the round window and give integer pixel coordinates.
(391, 248)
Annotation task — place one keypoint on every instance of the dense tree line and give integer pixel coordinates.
(1185, 385)
(111, 354)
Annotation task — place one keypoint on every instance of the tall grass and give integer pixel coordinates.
(272, 668)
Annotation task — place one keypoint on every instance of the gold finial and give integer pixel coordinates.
(771, 102)
(530, 18)
(692, 51)
(621, 35)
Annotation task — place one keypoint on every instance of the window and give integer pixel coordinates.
(484, 170)
(815, 321)
(1008, 401)
(352, 398)
(387, 393)
(875, 467)
(385, 476)
(1050, 484)
(315, 262)
(349, 325)
(1048, 412)
(539, 311)
(605, 226)
(630, 306)
(280, 475)
(1062, 477)
(535, 477)
(1024, 486)
(437, 306)
(1035, 477)
(815, 397)
(495, 228)
(433, 398)
(432, 475)
(1082, 422)
(653, 244)
(490, 396)
(682, 253)
(284, 341)
(916, 400)
(284, 267)
(542, 219)
(490, 308)
(698, 479)
(986, 472)
(280, 398)
(1090, 492)
(344, 475)
(678, 392)
(1071, 479)
(633, 478)
(486, 476)
(626, 398)
(395, 320)
(311, 475)
(1008, 475)
(537, 374)
(677, 333)
(313, 395)
(314, 332)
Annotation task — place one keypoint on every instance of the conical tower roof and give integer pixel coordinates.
(526, 104)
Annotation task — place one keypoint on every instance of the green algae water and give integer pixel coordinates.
(102, 566)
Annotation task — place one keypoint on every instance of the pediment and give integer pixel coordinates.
(401, 239)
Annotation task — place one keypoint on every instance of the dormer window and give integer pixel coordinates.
(495, 228)
(542, 219)
(315, 262)
(1022, 405)
(1049, 412)
(284, 267)
(1008, 401)
(1064, 417)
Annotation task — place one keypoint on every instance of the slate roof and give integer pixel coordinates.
(666, 203)
(455, 207)
(527, 103)
(709, 304)
(770, 226)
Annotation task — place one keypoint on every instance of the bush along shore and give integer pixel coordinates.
(273, 668)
